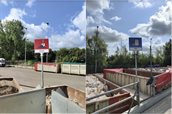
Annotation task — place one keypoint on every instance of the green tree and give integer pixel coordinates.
(96, 53)
(159, 56)
(167, 53)
(11, 39)
(71, 55)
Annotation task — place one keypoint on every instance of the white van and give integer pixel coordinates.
(2, 62)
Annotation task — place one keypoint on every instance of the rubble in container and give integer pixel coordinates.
(95, 87)
(5, 90)
(160, 69)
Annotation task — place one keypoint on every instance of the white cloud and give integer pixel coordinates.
(159, 24)
(33, 31)
(70, 39)
(4, 2)
(109, 35)
(90, 20)
(73, 37)
(95, 6)
(141, 3)
(157, 43)
(116, 18)
(16, 14)
(80, 20)
(95, 10)
(30, 3)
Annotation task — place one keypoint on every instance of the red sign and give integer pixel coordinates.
(41, 46)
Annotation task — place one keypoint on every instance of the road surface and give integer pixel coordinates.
(32, 78)
(162, 107)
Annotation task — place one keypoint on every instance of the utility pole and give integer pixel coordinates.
(153, 83)
(95, 49)
(151, 55)
(25, 51)
(47, 53)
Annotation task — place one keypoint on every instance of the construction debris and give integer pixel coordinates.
(95, 87)
(5, 90)
(8, 86)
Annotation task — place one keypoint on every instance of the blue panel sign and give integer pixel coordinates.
(135, 43)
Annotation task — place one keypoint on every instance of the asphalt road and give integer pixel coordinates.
(30, 77)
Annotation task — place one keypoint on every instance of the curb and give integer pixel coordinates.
(26, 67)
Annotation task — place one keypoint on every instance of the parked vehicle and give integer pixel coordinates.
(2, 62)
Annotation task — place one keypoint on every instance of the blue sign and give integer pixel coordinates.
(135, 43)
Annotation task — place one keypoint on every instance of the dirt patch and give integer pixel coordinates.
(5, 90)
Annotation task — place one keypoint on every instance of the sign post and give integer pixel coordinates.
(135, 44)
(41, 46)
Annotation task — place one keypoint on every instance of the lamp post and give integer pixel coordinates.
(95, 49)
(47, 53)
(151, 55)
(25, 54)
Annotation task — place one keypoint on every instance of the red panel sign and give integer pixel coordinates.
(41, 46)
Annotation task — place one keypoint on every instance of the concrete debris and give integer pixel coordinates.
(5, 90)
(158, 69)
(95, 87)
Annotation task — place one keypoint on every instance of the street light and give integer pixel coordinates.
(95, 50)
(47, 53)
(25, 48)
(25, 51)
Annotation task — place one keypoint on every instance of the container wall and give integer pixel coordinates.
(27, 102)
(140, 72)
(78, 69)
(163, 81)
(99, 104)
(47, 67)
(122, 79)
(61, 104)
(76, 96)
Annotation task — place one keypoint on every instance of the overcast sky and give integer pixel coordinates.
(66, 18)
(120, 19)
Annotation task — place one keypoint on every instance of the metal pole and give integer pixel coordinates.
(25, 53)
(136, 63)
(137, 86)
(151, 55)
(47, 57)
(97, 33)
(153, 83)
(42, 76)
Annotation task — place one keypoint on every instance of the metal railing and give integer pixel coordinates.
(137, 94)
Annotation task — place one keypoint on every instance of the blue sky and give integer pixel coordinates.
(120, 19)
(65, 18)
